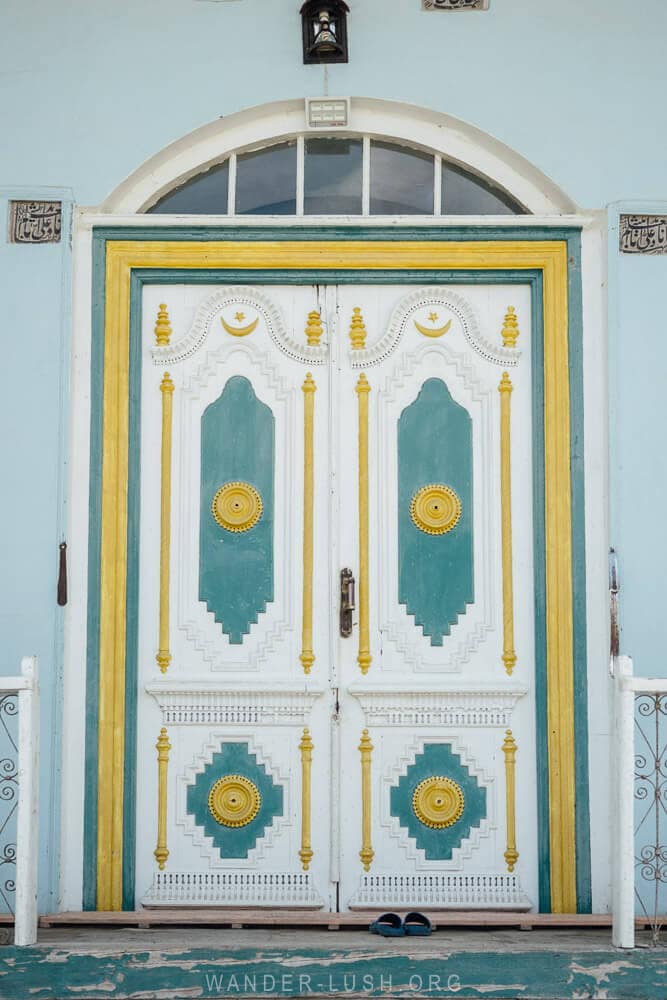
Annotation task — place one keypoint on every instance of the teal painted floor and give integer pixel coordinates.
(205, 963)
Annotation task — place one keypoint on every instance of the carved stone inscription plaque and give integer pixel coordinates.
(35, 221)
(643, 234)
(455, 4)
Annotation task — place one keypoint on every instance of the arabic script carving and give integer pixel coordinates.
(35, 221)
(455, 4)
(643, 234)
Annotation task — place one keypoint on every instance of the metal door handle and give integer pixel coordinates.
(347, 604)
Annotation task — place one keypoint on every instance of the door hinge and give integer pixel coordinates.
(61, 596)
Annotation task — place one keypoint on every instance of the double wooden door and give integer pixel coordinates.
(336, 612)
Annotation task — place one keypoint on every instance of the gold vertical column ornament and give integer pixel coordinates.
(364, 658)
(510, 331)
(162, 327)
(509, 749)
(509, 655)
(309, 389)
(357, 330)
(306, 748)
(163, 656)
(163, 746)
(366, 749)
(314, 329)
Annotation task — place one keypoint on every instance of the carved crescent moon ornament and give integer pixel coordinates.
(438, 332)
(240, 331)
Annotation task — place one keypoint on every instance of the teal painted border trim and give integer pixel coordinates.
(395, 234)
(132, 629)
(540, 588)
(168, 276)
(321, 972)
(94, 548)
(580, 651)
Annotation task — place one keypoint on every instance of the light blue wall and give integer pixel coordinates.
(34, 324)
(90, 90)
(638, 431)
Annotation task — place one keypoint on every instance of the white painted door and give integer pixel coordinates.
(254, 477)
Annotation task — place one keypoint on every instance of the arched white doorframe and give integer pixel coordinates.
(389, 120)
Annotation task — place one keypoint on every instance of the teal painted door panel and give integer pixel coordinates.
(438, 759)
(435, 571)
(235, 759)
(236, 567)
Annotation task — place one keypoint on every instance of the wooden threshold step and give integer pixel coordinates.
(240, 918)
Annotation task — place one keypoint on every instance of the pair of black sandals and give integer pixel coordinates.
(392, 925)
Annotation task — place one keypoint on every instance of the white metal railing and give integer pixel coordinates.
(640, 777)
(26, 689)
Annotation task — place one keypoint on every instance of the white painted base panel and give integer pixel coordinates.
(294, 889)
(451, 892)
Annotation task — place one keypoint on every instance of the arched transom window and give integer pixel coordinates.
(326, 175)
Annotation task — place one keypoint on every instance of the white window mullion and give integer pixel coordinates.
(231, 189)
(437, 186)
(366, 177)
(300, 174)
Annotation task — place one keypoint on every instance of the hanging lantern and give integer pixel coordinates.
(324, 24)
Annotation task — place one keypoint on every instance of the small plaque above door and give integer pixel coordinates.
(455, 4)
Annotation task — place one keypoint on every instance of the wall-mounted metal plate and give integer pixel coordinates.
(329, 112)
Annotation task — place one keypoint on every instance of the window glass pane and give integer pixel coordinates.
(465, 194)
(205, 194)
(266, 181)
(401, 181)
(332, 176)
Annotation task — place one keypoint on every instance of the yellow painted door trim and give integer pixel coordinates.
(548, 256)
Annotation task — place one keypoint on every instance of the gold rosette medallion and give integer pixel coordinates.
(237, 506)
(234, 801)
(435, 509)
(438, 802)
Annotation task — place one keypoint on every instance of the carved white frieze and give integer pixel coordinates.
(434, 313)
(207, 703)
(473, 705)
(239, 312)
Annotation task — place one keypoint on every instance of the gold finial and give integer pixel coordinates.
(357, 330)
(505, 384)
(166, 385)
(309, 384)
(510, 332)
(362, 384)
(314, 329)
(162, 327)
